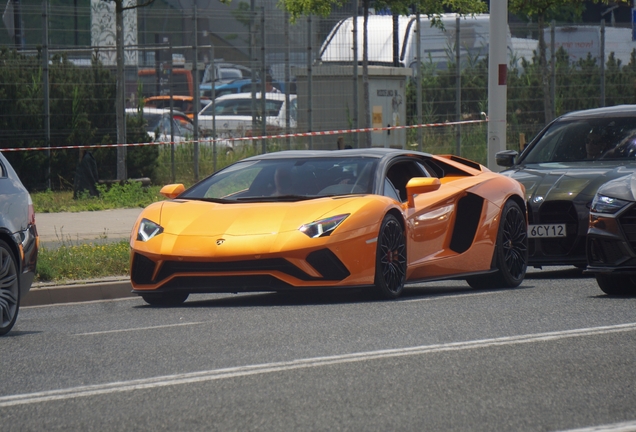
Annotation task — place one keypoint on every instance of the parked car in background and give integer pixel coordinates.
(611, 237)
(233, 115)
(240, 86)
(372, 219)
(223, 73)
(562, 168)
(184, 104)
(158, 124)
(152, 85)
(19, 244)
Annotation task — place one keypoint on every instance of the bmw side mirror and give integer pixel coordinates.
(506, 158)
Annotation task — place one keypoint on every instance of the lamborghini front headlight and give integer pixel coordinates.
(148, 229)
(323, 227)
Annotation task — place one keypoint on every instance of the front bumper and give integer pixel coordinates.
(27, 243)
(569, 250)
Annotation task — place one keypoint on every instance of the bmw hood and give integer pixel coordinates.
(199, 218)
(554, 181)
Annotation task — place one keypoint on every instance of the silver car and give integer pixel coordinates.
(233, 115)
(19, 244)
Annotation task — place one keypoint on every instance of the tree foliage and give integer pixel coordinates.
(81, 107)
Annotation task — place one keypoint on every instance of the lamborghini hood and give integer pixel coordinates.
(199, 218)
(550, 182)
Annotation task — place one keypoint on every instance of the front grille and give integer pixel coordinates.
(558, 212)
(628, 223)
(142, 269)
(328, 264)
(227, 283)
(604, 252)
(274, 264)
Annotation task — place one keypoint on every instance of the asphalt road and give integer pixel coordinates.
(553, 354)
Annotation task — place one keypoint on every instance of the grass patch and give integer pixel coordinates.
(127, 195)
(83, 261)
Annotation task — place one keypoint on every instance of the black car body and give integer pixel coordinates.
(561, 178)
(18, 244)
(611, 241)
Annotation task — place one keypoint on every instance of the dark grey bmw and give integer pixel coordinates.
(561, 169)
(18, 244)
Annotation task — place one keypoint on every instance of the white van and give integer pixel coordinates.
(437, 44)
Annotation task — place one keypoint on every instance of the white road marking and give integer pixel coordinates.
(442, 297)
(141, 328)
(616, 427)
(241, 371)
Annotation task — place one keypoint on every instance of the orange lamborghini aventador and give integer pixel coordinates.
(374, 219)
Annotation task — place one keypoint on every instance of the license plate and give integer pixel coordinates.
(546, 231)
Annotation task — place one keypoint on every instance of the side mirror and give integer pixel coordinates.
(172, 190)
(506, 158)
(420, 185)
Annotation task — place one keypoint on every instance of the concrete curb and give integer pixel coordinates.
(81, 291)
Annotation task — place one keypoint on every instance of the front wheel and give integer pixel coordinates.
(9, 289)
(616, 284)
(390, 261)
(511, 251)
(165, 299)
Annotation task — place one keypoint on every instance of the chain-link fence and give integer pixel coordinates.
(210, 61)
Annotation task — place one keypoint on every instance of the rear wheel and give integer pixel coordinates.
(165, 299)
(390, 261)
(9, 289)
(616, 284)
(511, 251)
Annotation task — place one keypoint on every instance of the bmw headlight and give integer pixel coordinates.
(323, 227)
(605, 204)
(148, 229)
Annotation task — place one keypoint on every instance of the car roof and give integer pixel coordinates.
(148, 110)
(248, 95)
(175, 97)
(612, 111)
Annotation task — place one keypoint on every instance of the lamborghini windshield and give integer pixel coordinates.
(591, 139)
(287, 180)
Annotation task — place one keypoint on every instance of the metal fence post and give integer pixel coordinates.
(264, 78)
(356, 97)
(309, 84)
(287, 83)
(458, 89)
(195, 77)
(418, 45)
(602, 55)
(45, 87)
(553, 63)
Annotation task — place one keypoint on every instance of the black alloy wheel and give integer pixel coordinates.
(511, 251)
(390, 262)
(9, 289)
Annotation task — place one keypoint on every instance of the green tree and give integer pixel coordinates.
(541, 11)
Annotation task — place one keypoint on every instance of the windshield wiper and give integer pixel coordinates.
(214, 200)
(276, 198)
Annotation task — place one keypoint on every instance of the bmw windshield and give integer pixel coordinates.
(589, 139)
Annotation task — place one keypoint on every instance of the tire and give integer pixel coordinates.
(9, 289)
(511, 251)
(621, 285)
(390, 260)
(165, 299)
